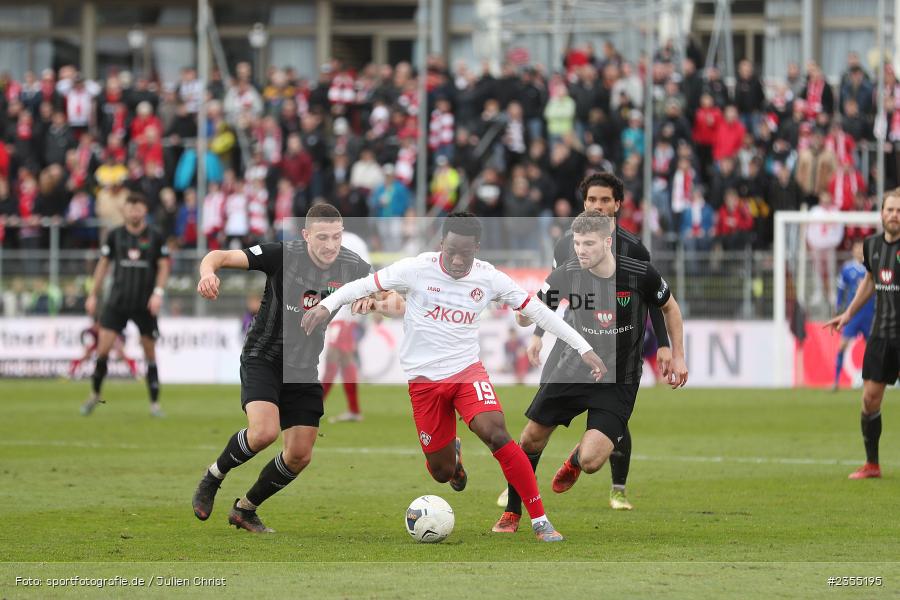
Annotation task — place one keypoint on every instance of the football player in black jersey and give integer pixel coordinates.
(881, 362)
(609, 295)
(139, 258)
(604, 193)
(280, 389)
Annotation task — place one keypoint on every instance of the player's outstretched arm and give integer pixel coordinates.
(675, 326)
(863, 294)
(208, 286)
(100, 271)
(550, 321)
(347, 293)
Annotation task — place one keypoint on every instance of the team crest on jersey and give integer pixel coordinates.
(623, 298)
(898, 256)
(310, 299)
(144, 243)
(606, 317)
(426, 439)
(134, 253)
(887, 275)
(477, 294)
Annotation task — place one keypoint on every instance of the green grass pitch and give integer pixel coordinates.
(737, 493)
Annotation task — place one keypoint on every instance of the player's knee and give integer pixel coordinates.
(261, 437)
(871, 403)
(297, 459)
(532, 441)
(497, 438)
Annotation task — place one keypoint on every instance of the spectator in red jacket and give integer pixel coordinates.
(706, 123)
(729, 134)
(296, 166)
(734, 222)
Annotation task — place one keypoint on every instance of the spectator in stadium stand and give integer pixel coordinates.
(734, 222)
(389, 203)
(784, 193)
(815, 166)
(823, 240)
(846, 183)
(296, 165)
(716, 87)
(559, 112)
(57, 140)
(817, 93)
(633, 136)
(521, 208)
(366, 174)
(186, 222)
(749, 95)
(166, 214)
(683, 185)
(729, 134)
(697, 228)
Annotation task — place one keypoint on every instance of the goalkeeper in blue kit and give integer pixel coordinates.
(852, 274)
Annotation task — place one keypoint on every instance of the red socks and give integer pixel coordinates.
(349, 375)
(518, 472)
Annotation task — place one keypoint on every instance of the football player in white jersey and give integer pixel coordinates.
(446, 292)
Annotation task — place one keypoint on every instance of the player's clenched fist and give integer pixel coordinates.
(209, 286)
(598, 369)
(313, 318)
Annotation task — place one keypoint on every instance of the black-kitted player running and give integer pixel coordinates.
(139, 258)
(881, 362)
(604, 193)
(609, 296)
(280, 388)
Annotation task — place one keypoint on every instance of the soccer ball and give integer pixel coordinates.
(429, 519)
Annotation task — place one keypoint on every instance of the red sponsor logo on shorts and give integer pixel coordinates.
(450, 315)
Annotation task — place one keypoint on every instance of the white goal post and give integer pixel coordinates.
(785, 376)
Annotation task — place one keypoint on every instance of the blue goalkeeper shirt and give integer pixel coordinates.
(851, 275)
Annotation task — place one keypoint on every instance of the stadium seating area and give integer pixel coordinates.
(509, 145)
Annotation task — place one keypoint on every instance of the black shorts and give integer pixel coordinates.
(608, 405)
(881, 362)
(298, 403)
(116, 319)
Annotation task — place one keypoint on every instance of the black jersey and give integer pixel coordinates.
(135, 262)
(609, 313)
(627, 244)
(294, 284)
(882, 261)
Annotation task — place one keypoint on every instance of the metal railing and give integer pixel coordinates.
(712, 284)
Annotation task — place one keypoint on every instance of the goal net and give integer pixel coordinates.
(811, 250)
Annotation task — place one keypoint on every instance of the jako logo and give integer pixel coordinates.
(451, 316)
(887, 275)
(605, 317)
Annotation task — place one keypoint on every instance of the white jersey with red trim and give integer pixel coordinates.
(442, 313)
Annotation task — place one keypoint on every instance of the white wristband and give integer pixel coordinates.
(158, 291)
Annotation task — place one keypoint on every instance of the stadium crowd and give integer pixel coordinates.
(514, 144)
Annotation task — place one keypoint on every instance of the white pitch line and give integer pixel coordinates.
(412, 451)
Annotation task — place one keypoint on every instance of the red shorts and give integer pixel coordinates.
(342, 335)
(435, 404)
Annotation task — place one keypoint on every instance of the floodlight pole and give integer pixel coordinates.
(203, 76)
(881, 119)
(646, 233)
(422, 141)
